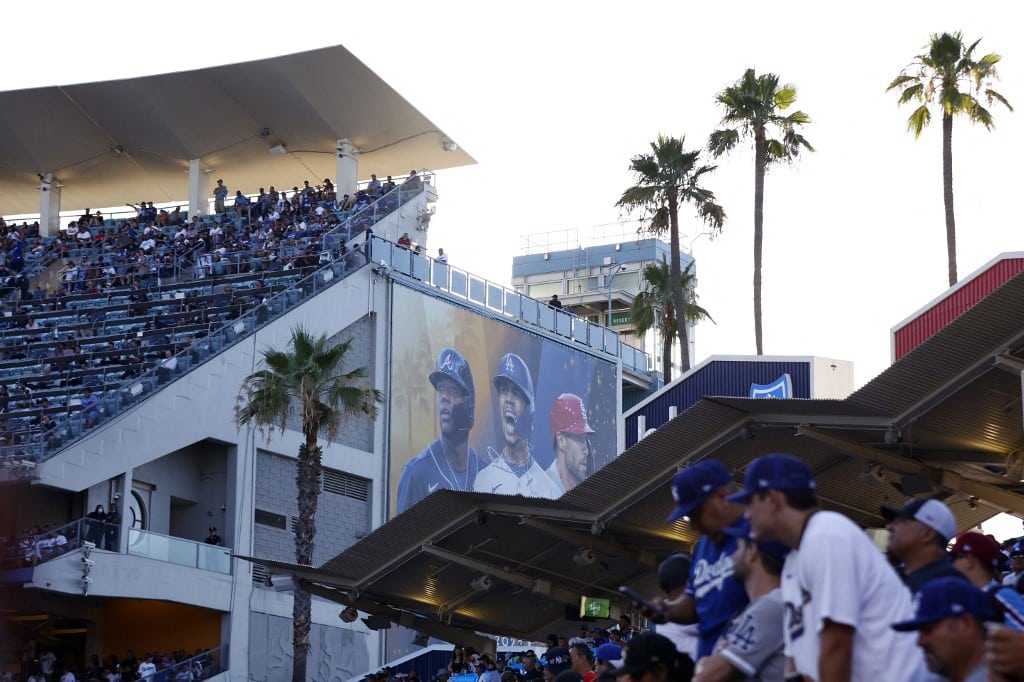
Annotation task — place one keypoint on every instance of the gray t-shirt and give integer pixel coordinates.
(753, 643)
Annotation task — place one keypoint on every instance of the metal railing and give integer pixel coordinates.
(506, 302)
(179, 551)
(202, 666)
(35, 549)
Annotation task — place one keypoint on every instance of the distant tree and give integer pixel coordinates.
(753, 110)
(654, 306)
(306, 380)
(948, 74)
(666, 178)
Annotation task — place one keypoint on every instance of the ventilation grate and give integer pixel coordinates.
(259, 575)
(340, 483)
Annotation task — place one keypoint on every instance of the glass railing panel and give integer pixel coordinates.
(495, 297)
(179, 551)
(563, 323)
(459, 283)
(542, 314)
(513, 304)
(478, 290)
(214, 558)
(581, 330)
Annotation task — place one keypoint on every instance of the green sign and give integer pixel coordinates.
(592, 607)
(620, 319)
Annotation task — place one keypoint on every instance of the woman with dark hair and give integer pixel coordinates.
(95, 525)
(458, 664)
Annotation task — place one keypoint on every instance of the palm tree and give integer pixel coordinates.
(753, 110)
(307, 381)
(665, 178)
(653, 306)
(949, 74)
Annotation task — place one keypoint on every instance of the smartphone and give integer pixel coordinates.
(642, 601)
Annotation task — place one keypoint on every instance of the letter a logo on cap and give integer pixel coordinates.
(509, 365)
(447, 363)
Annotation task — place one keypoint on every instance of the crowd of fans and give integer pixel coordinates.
(40, 664)
(132, 295)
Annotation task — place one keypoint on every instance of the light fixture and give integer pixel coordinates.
(597, 528)
(891, 437)
(482, 583)
(349, 614)
(448, 145)
(972, 502)
(278, 150)
(584, 556)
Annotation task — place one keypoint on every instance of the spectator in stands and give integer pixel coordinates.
(977, 556)
(554, 302)
(556, 661)
(949, 619)
(753, 644)
(918, 534)
(388, 185)
(90, 408)
(673, 575)
(373, 187)
(94, 532)
(841, 594)
(241, 204)
(653, 658)
(1015, 578)
(404, 240)
(711, 598)
(213, 538)
(411, 182)
(582, 658)
(347, 203)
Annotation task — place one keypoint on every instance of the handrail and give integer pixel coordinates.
(506, 302)
(42, 547)
(177, 550)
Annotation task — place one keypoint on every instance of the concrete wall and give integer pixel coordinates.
(340, 519)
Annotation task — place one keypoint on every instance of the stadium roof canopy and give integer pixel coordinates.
(131, 140)
(945, 421)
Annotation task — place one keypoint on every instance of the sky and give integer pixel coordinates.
(554, 98)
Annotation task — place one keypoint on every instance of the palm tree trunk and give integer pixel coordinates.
(678, 301)
(947, 193)
(666, 350)
(307, 480)
(760, 161)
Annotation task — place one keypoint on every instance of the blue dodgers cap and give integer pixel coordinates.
(774, 472)
(1017, 550)
(692, 485)
(946, 598)
(772, 548)
(609, 653)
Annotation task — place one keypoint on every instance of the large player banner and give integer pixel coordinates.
(477, 404)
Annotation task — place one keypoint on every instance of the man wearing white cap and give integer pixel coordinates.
(918, 534)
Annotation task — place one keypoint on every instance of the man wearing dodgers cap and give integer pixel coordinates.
(918, 534)
(711, 597)
(949, 619)
(841, 594)
(752, 647)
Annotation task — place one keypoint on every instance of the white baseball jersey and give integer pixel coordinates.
(498, 477)
(838, 574)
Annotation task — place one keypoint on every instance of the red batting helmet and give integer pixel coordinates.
(569, 416)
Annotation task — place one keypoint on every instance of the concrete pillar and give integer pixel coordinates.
(123, 489)
(348, 168)
(49, 205)
(198, 189)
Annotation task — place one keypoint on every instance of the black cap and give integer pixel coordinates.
(647, 650)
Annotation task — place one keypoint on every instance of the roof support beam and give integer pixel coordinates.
(537, 586)
(894, 462)
(449, 633)
(1000, 498)
(585, 540)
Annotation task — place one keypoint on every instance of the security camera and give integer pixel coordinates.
(349, 614)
